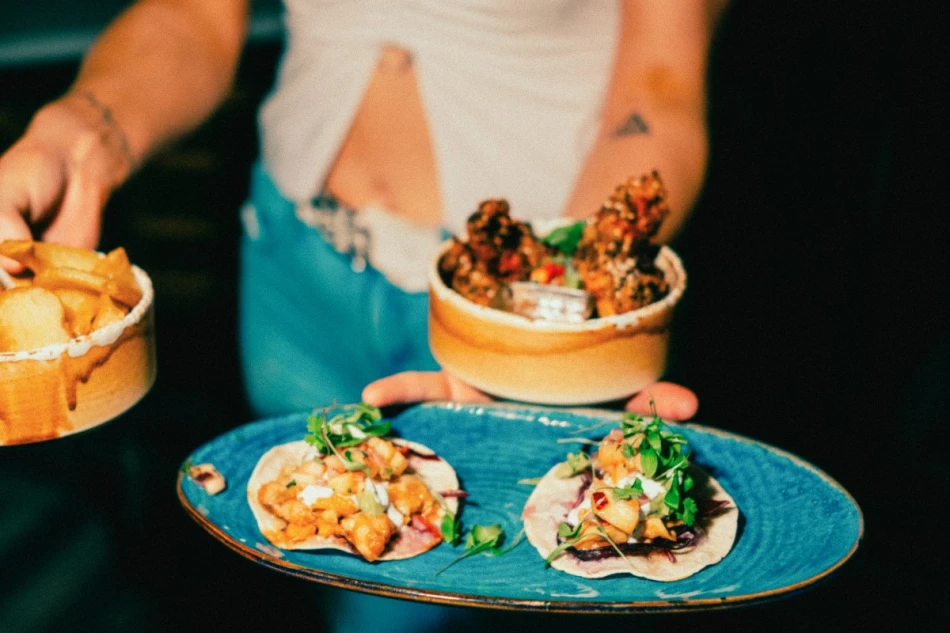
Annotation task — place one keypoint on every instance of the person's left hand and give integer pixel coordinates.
(672, 401)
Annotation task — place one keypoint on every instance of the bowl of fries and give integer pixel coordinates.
(77, 342)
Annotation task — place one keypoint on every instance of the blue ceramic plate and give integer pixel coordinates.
(796, 526)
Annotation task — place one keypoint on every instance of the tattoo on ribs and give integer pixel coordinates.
(632, 126)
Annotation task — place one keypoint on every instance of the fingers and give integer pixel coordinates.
(54, 181)
(672, 402)
(12, 227)
(420, 386)
(78, 221)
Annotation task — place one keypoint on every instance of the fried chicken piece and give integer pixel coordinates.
(641, 202)
(499, 250)
(614, 258)
(509, 248)
(466, 275)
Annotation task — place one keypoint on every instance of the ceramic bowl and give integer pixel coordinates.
(61, 389)
(513, 357)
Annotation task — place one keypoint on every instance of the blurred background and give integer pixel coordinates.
(815, 320)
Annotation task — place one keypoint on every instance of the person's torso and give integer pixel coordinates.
(428, 107)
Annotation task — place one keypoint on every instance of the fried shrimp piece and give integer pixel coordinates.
(369, 534)
(411, 496)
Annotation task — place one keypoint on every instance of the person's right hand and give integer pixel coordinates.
(54, 181)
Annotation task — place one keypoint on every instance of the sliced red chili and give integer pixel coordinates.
(424, 526)
(600, 500)
(509, 262)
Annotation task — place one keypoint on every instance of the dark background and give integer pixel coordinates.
(815, 320)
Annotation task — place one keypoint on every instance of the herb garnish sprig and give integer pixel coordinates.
(566, 238)
(663, 457)
(350, 425)
(484, 539)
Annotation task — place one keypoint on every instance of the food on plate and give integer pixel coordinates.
(636, 505)
(347, 486)
(76, 339)
(208, 477)
(609, 256)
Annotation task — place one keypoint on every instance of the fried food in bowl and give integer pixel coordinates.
(611, 351)
(77, 345)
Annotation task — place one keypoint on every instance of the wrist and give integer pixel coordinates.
(115, 136)
(89, 139)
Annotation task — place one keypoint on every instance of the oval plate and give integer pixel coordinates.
(797, 525)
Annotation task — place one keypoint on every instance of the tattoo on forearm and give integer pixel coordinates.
(105, 112)
(632, 126)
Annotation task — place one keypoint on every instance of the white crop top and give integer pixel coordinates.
(512, 90)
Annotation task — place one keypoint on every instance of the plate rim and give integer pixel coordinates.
(521, 604)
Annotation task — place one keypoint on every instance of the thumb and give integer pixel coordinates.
(12, 227)
(79, 220)
(419, 386)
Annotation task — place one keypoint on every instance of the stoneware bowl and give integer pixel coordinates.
(510, 356)
(61, 389)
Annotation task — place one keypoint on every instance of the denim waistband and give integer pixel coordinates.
(400, 250)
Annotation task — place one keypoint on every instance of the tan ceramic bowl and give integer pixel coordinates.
(510, 356)
(65, 388)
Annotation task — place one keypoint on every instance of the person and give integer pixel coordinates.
(387, 124)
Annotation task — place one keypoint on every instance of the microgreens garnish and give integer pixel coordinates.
(349, 425)
(186, 466)
(575, 464)
(569, 537)
(566, 238)
(633, 491)
(663, 457)
(485, 539)
(451, 528)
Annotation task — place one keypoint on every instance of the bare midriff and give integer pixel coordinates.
(387, 158)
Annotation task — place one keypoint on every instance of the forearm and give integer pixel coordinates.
(674, 146)
(162, 68)
(654, 113)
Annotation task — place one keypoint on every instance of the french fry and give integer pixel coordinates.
(118, 269)
(19, 250)
(31, 318)
(107, 311)
(57, 278)
(81, 309)
(48, 256)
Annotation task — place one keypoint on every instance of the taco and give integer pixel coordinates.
(347, 487)
(635, 505)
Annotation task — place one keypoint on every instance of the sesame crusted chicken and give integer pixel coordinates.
(499, 250)
(614, 257)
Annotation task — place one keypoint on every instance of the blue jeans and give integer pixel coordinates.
(313, 331)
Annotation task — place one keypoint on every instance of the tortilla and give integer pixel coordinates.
(554, 497)
(434, 471)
